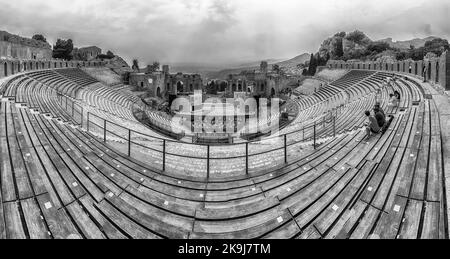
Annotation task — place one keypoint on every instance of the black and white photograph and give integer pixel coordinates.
(224, 125)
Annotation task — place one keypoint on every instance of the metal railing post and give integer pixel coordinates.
(246, 158)
(334, 126)
(129, 143)
(285, 149)
(164, 155)
(314, 135)
(87, 121)
(207, 162)
(104, 130)
(81, 115)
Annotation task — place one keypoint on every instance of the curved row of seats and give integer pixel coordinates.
(62, 182)
(141, 143)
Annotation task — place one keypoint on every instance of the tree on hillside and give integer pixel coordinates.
(305, 72)
(39, 37)
(276, 68)
(135, 65)
(340, 34)
(357, 36)
(339, 47)
(153, 67)
(63, 49)
(437, 46)
(312, 65)
(109, 53)
(377, 47)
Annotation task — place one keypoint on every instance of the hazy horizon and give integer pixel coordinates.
(218, 32)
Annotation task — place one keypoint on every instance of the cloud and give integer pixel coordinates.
(218, 31)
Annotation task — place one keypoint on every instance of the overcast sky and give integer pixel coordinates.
(218, 31)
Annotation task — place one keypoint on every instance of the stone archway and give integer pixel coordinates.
(272, 92)
(5, 69)
(158, 92)
(180, 87)
(437, 72)
(429, 71)
(223, 86)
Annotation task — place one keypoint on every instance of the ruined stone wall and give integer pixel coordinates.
(17, 47)
(150, 83)
(18, 51)
(10, 67)
(434, 70)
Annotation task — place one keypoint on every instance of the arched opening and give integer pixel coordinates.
(24, 66)
(272, 92)
(239, 87)
(263, 87)
(233, 88)
(158, 92)
(398, 66)
(249, 90)
(221, 86)
(18, 67)
(5, 69)
(12, 69)
(67, 65)
(180, 87)
(410, 68)
(437, 72)
(142, 84)
(429, 71)
(387, 67)
(415, 68)
(191, 88)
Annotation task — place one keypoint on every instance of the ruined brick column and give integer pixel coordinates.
(445, 67)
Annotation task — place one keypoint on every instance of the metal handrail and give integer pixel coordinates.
(310, 133)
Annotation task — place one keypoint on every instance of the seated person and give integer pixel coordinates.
(381, 119)
(393, 101)
(371, 125)
(378, 106)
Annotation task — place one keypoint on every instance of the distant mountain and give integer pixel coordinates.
(417, 43)
(257, 63)
(290, 66)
